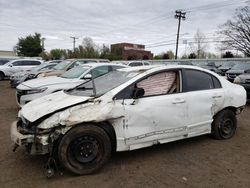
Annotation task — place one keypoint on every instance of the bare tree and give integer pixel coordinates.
(198, 46)
(236, 33)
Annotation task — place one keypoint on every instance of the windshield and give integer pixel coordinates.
(75, 72)
(40, 67)
(241, 66)
(62, 65)
(103, 83)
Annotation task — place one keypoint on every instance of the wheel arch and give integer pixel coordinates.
(231, 108)
(2, 73)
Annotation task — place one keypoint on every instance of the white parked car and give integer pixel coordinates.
(15, 66)
(128, 109)
(135, 63)
(36, 88)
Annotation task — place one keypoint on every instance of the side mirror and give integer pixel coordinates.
(10, 65)
(87, 76)
(138, 92)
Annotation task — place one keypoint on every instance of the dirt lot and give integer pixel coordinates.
(197, 162)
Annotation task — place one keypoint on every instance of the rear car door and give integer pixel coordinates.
(204, 98)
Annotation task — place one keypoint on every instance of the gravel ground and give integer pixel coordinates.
(195, 162)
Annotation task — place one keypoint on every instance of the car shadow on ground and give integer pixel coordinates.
(119, 160)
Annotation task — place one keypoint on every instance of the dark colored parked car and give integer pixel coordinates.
(237, 69)
(209, 66)
(226, 66)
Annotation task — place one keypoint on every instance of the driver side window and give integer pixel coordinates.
(158, 84)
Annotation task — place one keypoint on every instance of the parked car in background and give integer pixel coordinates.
(135, 63)
(244, 80)
(54, 61)
(33, 89)
(236, 70)
(4, 60)
(20, 77)
(128, 109)
(179, 63)
(15, 66)
(207, 65)
(227, 65)
(69, 64)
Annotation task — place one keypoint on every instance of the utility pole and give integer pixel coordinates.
(180, 16)
(43, 39)
(74, 43)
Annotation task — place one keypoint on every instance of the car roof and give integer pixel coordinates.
(86, 59)
(153, 68)
(101, 64)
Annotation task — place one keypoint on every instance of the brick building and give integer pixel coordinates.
(128, 51)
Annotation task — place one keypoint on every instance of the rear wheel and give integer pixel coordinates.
(224, 125)
(1, 75)
(84, 149)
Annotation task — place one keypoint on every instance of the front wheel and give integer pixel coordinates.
(224, 125)
(84, 149)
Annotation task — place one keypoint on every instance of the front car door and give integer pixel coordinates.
(157, 116)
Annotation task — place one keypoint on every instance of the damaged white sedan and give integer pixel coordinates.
(125, 110)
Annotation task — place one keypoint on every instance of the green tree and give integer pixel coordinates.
(228, 54)
(29, 46)
(89, 48)
(192, 56)
(57, 53)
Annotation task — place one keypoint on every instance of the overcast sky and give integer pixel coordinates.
(149, 22)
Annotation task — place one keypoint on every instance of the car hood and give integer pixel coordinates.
(53, 73)
(235, 71)
(44, 82)
(49, 104)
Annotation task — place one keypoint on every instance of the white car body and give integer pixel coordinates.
(18, 65)
(48, 85)
(139, 122)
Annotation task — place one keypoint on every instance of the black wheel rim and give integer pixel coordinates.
(226, 127)
(85, 149)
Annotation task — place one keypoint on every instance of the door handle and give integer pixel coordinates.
(178, 101)
(216, 96)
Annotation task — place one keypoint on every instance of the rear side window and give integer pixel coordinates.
(34, 63)
(135, 64)
(197, 80)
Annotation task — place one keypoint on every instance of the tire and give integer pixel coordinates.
(224, 125)
(84, 149)
(1, 76)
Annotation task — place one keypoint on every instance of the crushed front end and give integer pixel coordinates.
(35, 140)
